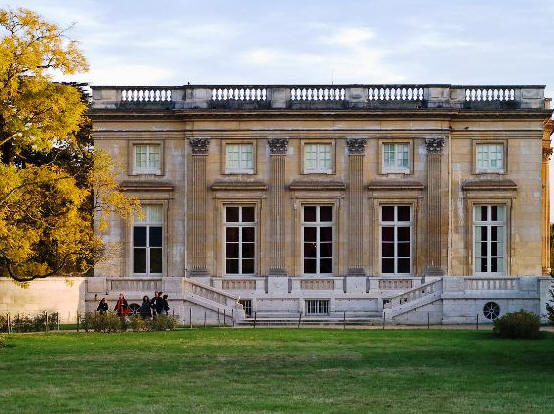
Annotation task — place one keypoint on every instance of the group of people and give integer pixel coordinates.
(158, 305)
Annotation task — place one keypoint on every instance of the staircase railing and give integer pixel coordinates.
(207, 292)
(412, 295)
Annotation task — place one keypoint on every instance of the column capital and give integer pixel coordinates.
(356, 146)
(199, 145)
(434, 145)
(546, 153)
(278, 146)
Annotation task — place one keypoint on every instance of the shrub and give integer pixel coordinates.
(2, 342)
(3, 323)
(136, 323)
(102, 322)
(521, 324)
(163, 323)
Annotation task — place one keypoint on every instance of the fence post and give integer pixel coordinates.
(233, 317)
(299, 318)
(344, 320)
(58, 320)
(204, 319)
(218, 320)
(477, 322)
(46, 323)
(9, 319)
(427, 320)
(255, 317)
(224, 317)
(190, 317)
(77, 321)
(383, 320)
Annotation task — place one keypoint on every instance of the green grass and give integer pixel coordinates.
(276, 370)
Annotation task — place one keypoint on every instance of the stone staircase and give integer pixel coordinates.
(413, 299)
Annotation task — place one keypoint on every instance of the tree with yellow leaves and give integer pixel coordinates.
(52, 180)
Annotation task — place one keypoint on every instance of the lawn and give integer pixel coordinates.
(276, 370)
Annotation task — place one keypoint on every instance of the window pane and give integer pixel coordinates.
(156, 260)
(387, 249)
(403, 249)
(248, 234)
(155, 214)
(325, 234)
(139, 236)
(326, 250)
(310, 234)
(232, 266)
(387, 213)
(310, 266)
(403, 234)
(232, 250)
(155, 237)
(387, 266)
(326, 213)
(309, 213)
(310, 250)
(139, 260)
(403, 213)
(231, 214)
(248, 214)
(248, 250)
(232, 234)
(387, 234)
(403, 266)
(248, 266)
(326, 266)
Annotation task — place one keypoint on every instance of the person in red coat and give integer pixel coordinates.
(121, 307)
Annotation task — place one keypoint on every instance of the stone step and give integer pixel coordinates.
(322, 321)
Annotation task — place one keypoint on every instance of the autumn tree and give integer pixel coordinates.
(52, 180)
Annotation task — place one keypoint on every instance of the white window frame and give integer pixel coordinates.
(396, 224)
(241, 169)
(240, 224)
(148, 222)
(318, 224)
(489, 224)
(148, 169)
(319, 168)
(396, 168)
(488, 146)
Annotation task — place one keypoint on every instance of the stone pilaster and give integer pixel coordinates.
(198, 203)
(546, 155)
(356, 152)
(278, 148)
(434, 146)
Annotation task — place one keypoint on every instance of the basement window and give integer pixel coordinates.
(247, 305)
(317, 307)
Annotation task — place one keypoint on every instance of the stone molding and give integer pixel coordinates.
(434, 145)
(222, 185)
(313, 185)
(278, 146)
(199, 145)
(356, 146)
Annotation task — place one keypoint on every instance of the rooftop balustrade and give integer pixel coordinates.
(365, 97)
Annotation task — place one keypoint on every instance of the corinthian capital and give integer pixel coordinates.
(434, 145)
(278, 146)
(356, 146)
(199, 145)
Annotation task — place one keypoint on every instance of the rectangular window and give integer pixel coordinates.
(490, 157)
(148, 241)
(396, 157)
(489, 225)
(147, 159)
(247, 305)
(239, 158)
(317, 236)
(317, 307)
(240, 240)
(396, 240)
(317, 158)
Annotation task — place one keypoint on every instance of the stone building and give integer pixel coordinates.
(343, 201)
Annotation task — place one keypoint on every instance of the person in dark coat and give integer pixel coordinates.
(166, 305)
(145, 310)
(159, 304)
(102, 306)
(153, 303)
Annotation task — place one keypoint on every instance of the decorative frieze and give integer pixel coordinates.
(356, 146)
(199, 145)
(434, 145)
(278, 146)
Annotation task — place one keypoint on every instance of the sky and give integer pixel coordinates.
(140, 42)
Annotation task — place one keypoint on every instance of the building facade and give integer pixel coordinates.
(331, 201)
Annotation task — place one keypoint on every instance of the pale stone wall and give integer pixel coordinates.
(55, 294)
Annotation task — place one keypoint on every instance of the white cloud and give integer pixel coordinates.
(350, 36)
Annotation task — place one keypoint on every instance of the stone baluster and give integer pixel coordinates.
(356, 151)
(198, 205)
(434, 146)
(546, 155)
(278, 148)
